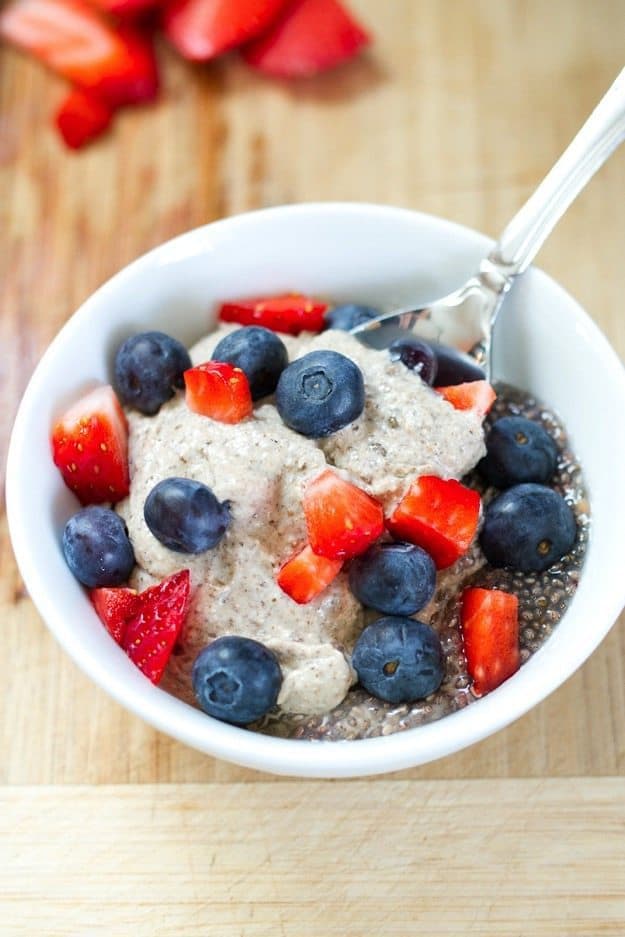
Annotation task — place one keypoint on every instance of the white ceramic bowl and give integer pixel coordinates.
(384, 256)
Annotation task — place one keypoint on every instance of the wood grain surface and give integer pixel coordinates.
(459, 110)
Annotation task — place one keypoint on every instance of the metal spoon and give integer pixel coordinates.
(465, 318)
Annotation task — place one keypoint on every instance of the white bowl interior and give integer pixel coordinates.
(384, 256)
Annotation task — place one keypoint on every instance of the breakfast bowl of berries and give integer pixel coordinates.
(301, 554)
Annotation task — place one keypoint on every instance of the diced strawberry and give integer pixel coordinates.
(307, 574)
(439, 515)
(115, 606)
(218, 390)
(72, 39)
(127, 9)
(151, 633)
(90, 447)
(308, 37)
(202, 29)
(476, 396)
(291, 313)
(490, 633)
(81, 118)
(342, 520)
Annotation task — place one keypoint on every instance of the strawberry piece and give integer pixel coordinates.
(476, 396)
(306, 575)
(218, 390)
(90, 447)
(127, 9)
(439, 515)
(490, 632)
(202, 29)
(72, 39)
(292, 313)
(309, 37)
(151, 633)
(115, 607)
(81, 118)
(342, 520)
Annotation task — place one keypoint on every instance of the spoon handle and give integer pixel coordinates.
(598, 138)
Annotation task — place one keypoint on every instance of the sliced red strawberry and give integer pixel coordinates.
(342, 520)
(152, 632)
(439, 515)
(476, 396)
(90, 447)
(202, 29)
(218, 390)
(291, 313)
(306, 575)
(115, 607)
(72, 39)
(490, 633)
(81, 118)
(127, 9)
(309, 37)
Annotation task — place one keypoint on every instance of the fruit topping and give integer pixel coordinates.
(440, 515)
(399, 660)
(349, 316)
(219, 391)
(342, 520)
(127, 9)
(320, 393)
(490, 634)
(90, 447)
(307, 574)
(528, 528)
(81, 118)
(148, 369)
(308, 37)
(416, 355)
(202, 29)
(394, 578)
(291, 313)
(97, 548)
(115, 607)
(476, 397)
(236, 679)
(259, 352)
(518, 450)
(152, 632)
(453, 367)
(185, 516)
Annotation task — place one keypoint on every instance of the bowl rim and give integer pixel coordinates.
(320, 759)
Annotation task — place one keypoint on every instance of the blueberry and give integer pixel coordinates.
(399, 660)
(396, 578)
(185, 515)
(528, 527)
(236, 679)
(97, 548)
(260, 354)
(452, 367)
(320, 393)
(518, 450)
(348, 317)
(417, 356)
(148, 368)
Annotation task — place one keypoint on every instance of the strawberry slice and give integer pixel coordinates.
(202, 29)
(81, 118)
(126, 9)
(151, 633)
(342, 520)
(72, 39)
(90, 447)
(291, 313)
(308, 37)
(115, 607)
(439, 515)
(306, 575)
(490, 632)
(476, 396)
(218, 390)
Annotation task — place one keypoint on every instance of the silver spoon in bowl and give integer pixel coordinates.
(464, 319)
